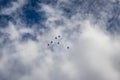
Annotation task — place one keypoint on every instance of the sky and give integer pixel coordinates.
(90, 28)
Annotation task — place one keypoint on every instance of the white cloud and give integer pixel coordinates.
(89, 57)
(15, 6)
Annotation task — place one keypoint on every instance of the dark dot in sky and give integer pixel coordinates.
(58, 43)
(48, 44)
(68, 47)
(59, 36)
(51, 41)
(55, 37)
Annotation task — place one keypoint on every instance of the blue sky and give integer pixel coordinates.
(90, 28)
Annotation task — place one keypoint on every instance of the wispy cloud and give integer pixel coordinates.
(14, 6)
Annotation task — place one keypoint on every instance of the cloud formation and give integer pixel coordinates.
(94, 52)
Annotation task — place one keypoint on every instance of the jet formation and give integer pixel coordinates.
(54, 41)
